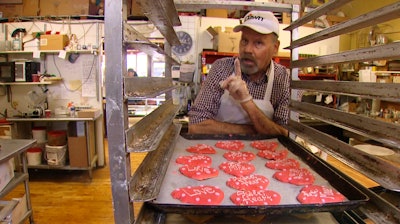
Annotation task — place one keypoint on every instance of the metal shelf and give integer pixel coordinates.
(384, 91)
(163, 14)
(24, 83)
(18, 179)
(387, 51)
(384, 14)
(322, 10)
(16, 148)
(135, 40)
(6, 208)
(50, 52)
(382, 170)
(146, 87)
(146, 182)
(197, 5)
(377, 130)
(146, 135)
(379, 170)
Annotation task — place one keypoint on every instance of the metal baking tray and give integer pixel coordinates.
(321, 170)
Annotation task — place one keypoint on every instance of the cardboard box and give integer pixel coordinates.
(286, 18)
(135, 8)
(27, 8)
(78, 143)
(220, 13)
(89, 113)
(77, 151)
(6, 173)
(64, 8)
(225, 41)
(313, 3)
(76, 129)
(5, 131)
(53, 42)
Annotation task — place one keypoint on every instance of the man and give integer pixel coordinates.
(132, 73)
(249, 94)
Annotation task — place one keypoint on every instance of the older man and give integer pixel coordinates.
(249, 94)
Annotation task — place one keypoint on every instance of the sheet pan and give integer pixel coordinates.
(323, 176)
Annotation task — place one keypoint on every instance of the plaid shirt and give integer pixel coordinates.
(207, 102)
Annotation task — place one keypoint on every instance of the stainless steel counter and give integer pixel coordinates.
(16, 148)
(54, 118)
(11, 147)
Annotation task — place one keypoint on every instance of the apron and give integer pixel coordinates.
(231, 111)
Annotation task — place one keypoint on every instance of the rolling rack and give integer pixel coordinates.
(156, 133)
(382, 171)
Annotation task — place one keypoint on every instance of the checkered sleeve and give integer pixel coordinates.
(281, 95)
(207, 102)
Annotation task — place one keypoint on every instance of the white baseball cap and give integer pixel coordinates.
(263, 22)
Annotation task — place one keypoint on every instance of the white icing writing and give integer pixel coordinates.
(249, 180)
(238, 166)
(250, 197)
(200, 191)
(320, 192)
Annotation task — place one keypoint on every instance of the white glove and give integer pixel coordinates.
(236, 86)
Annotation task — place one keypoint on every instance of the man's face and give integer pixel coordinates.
(256, 51)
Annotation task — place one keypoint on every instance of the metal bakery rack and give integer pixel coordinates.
(157, 133)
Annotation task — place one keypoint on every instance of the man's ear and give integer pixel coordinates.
(276, 46)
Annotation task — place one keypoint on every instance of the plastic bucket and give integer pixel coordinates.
(39, 133)
(34, 156)
(56, 155)
(57, 138)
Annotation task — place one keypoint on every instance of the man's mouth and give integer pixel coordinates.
(247, 62)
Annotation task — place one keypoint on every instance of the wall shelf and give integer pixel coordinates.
(49, 52)
(25, 83)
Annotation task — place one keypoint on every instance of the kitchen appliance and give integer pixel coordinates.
(25, 69)
(36, 112)
(7, 71)
(37, 103)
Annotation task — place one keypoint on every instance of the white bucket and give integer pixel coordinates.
(56, 155)
(39, 134)
(34, 156)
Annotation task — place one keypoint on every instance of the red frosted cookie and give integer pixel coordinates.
(282, 164)
(199, 195)
(256, 197)
(252, 182)
(238, 156)
(300, 176)
(266, 154)
(201, 149)
(234, 145)
(194, 160)
(198, 172)
(264, 145)
(312, 194)
(237, 168)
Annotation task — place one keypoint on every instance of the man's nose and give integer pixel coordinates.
(249, 47)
